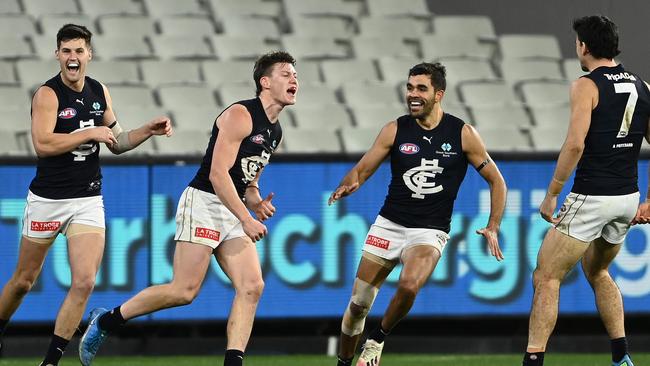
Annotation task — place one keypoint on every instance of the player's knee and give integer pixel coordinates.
(252, 289)
(83, 285)
(22, 285)
(594, 276)
(359, 311)
(408, 287)
(543, 278)
(186, 296)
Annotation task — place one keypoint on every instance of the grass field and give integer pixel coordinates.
(557, 359)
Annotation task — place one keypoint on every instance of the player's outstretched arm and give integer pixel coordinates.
(128, 140)
(46, 141)
(584, 98)
(368, 163)
(235, 124)
(478, 157)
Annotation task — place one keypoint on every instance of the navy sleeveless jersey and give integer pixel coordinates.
(619, 122)
(76, 173)
(254, 152)
(427, 169)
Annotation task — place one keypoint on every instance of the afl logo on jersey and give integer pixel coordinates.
(258, 139)
(409, 148)
(67, 113)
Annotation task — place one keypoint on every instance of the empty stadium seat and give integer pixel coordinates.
(529, 46)
(14, 48)
(196, 118)
(242, 25)
(123, 26)
(121, 47)
(156, 73)
(230, 93)
(17, 25)
(50, 24)
(242, 47)
(97, 8)
(376, 115)
(572, 69)
(16, 118)
(135, 116)
(179, 96)
(413, 8)
(323, 116)
(158, 8)
(217, 73)
(545, 93)
(38, 8)
(7, 74)
(358, 140)
(458, 110)
(504, 139)
(551, 116)
(392, 27)
(435, 46)
(184, 142)
(44, 46)
(10, 7)
(260, 8)
(309, 141)
(459, 70)
(318, 26)
(511, 116)
(309, 72)
(114, 72)
(517, 70)
(182, 47)
(315, 94)
(9, 146)
(355, 93)
(315, 48)
(548, 139)
(195, 26)
(396, 70)
(477, 26)
(477, 94)
(33, 73)
(338, 8)
(338, 72)
(131, 97)
(367, 47)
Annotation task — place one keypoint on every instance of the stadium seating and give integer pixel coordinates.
(353, 61)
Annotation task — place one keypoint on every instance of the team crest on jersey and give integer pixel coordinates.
(67, 113)
(419, 179)
(258, 139)
(409, 148)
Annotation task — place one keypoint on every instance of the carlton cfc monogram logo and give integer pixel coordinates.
(416, 179)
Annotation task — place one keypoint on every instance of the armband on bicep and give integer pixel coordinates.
(122, 137)
(483, 164)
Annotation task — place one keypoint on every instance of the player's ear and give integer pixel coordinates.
(437, 96)
(265, 82)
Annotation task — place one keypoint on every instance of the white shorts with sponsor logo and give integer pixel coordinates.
(389, 240)
(201, 218)
(45, 218)
(586, 218)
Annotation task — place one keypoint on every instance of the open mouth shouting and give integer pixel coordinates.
(72, 67)
(292, 91)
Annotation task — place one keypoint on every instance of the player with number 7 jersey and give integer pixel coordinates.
(610, 114)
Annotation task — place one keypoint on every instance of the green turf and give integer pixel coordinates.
(557, 359)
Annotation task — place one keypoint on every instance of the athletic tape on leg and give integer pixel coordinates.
(363, 296)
